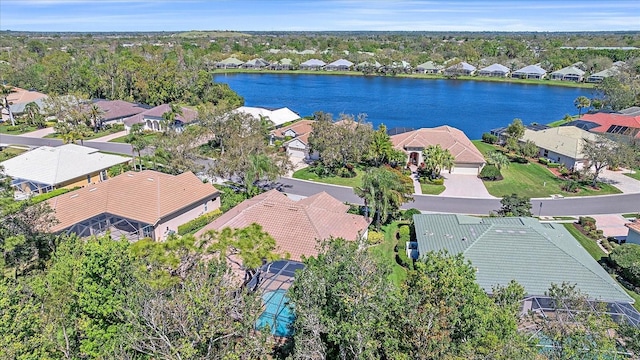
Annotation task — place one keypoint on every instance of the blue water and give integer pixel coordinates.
(277, 314)
(472, 106)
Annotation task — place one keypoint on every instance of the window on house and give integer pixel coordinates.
(546, 153)
(89, 179)
(205, 206)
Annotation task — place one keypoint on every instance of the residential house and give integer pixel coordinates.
(502, 135)
(468, 159)
(117, 111)
(283, 64)
(570, 73)
(495, 70)
(562, 144)
(153, 119)
(313, 64)
(368, 64)
(461, 68)
(255, 64)
(296, 140)
(613, 124)
(633, 237)
(67, 166)
(296, 226)
(277, 116)
(229, 63)
(135, 205)
(536, 255)
(339, 65)
(530, 72)
(19, 98)
(601, 75)
(429, 67)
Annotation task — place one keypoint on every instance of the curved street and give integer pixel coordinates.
(607, 204)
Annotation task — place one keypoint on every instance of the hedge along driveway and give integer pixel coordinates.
(533, 180)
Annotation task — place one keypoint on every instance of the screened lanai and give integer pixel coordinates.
(117, 226)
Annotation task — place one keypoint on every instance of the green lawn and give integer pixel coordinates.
(533, 180)
(9, 152)
(588, 244)
(562, 121)
(430, 189)
(149, 137)
(305, 174)
(6, 128)
(635, 175)
(384, 252)
(92, 136)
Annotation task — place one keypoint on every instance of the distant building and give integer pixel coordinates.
(313, 64)
(562, 144)
(429, 67)
(153, 119)
(570, 73)
(277, 116)
(118, 111)
(530, 72)
(495, 70)
(229, 63)
(461, 68)
(339, 65)
(19, 98)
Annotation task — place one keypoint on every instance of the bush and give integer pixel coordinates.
(491, 173)
(625, 259)
(570, 186)
(408, 215)
(346, 173)
(199, 222)
(564, 171)
(375, 237)
(554, 165)
(439, 181)
(489, 138)
(543, 161)
(404, 232)
(13, 128)
(587, 221)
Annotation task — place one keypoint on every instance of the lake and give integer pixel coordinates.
(472, 106)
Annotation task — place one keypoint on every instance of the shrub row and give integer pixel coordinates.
(489, 138)
(490, 172)
(375, 237)
(554, 165)
(199, 222)
(404, 236)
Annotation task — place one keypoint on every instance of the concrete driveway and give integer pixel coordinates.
(470, 186)
(612, 225)
(626, 184)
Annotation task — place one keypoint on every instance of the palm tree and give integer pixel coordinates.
(95, 113)
(170, 116)
(381, 146)
(498, 159)
(138, 141)
(5, 91)
(261, 167)
(581, 102)
(384, 190)
(33, 114)
(436, 159)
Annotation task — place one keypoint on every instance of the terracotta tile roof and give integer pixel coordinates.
(117, 109)
(635, 226)
(448, 137)
(299, 127)
(606, 120)
(295, 225)
(22, 96)
(145, 196)
(187, 116)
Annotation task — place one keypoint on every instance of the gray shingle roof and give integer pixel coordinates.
(521, 249)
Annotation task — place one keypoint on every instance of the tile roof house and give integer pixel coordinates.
(229, 63)
(283, 64)
(296, 138)
(153, 118)
(468, 159)
(601, 75)
(67, 166)
(534, 254)
(296, 226)
(570, 73)
(429, 67)
(338, 65)
(562, 144)
(19, 98)
(612, 123)
(277, 116)
(313, 64)
(117, 111)
(530, 72)
(633, 237)
(259, 63)
(461, 68)
(135, 204)
(495, 70)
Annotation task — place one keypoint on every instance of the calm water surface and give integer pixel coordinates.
(472, 106)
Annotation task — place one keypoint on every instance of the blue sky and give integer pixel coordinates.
(319, 15)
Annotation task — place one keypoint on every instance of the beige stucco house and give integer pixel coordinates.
(562, 144)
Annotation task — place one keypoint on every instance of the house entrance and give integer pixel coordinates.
(413, 158)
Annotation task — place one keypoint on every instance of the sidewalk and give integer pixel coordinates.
(417, 189)
(107, 138)
(40, 133)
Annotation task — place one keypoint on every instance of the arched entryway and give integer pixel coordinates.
(414, 157)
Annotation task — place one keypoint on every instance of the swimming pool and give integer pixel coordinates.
(277, 314)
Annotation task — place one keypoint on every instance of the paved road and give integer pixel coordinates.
(608, 204)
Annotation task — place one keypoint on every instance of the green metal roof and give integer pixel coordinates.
(521, 249)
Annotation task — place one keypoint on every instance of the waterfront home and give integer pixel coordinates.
(495, 70)
(146, 204)
(339, 65)
(117, 111)
(18, 100)
(570, 73)
(530, 72)
(615, 124)
(501, 132)
(283, 64)
(368, 65)
(296, 140)
(229, 63)
(296, 226)
(429, 67)
(67, 166)
(278, 117)
(601, 75)
(255, 64)
(313, 64)
(562, 145)
(461, 68)
(468, 159)
(534, 254)
(154, 119)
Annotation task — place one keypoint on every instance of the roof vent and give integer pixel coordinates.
(130, 175)
(93, 189)
(498, 231)
(464, 238)
(73, 196)
(150, 179)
